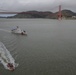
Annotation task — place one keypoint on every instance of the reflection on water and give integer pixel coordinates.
(48, 49)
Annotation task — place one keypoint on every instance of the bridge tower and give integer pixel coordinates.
(59, 13)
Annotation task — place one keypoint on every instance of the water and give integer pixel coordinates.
(48, 49)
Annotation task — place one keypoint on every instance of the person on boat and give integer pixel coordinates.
(24, 31)
(17, 27)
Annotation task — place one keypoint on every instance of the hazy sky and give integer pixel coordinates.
(40, 5)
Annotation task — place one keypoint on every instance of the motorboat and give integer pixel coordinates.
(7, 64)
(6, 58)
(18, 31)
(22, 32)
(10, 66)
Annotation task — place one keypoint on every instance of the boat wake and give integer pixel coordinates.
(6, 57)
(5, 30)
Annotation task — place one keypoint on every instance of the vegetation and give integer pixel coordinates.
(39, 14)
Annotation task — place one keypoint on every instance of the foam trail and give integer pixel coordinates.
(6, 57)
(5, 30)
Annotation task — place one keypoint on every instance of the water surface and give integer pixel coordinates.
(48, 49)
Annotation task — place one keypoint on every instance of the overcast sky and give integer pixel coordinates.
(39, 5)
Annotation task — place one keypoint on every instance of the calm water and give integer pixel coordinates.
(48, 49)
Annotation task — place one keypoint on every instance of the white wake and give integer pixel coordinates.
(5, 30)
(6, 57)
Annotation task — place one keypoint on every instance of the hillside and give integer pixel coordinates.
(47, 14)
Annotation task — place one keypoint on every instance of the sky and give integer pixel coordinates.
(39, 5)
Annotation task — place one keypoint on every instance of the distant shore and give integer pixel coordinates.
(66, 14)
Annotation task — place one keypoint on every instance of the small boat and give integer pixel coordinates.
(18, 31)
(6, 58)
(10, 67)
